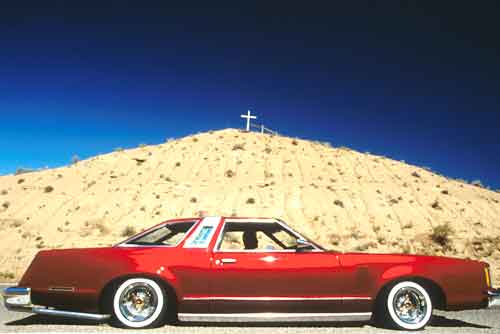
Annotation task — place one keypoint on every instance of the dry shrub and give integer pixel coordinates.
(238, 147)
(230, 173)
(128, 231)
(441, 235)
(338, 202)
(435, 205)
(251, 200)
(334, 239)
(48, 189)
(7, 275)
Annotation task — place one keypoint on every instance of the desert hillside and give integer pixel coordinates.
(344, 199)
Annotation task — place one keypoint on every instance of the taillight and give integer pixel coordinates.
(487, 276)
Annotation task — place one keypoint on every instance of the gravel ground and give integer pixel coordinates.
(477, 321)
(480, 321)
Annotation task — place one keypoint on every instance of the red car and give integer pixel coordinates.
(244, 269)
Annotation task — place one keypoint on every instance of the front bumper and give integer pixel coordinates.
(19, 299)
(494, 298)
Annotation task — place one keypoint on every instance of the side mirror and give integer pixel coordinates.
(303, 245)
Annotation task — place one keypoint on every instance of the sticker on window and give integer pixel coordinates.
(203, 233)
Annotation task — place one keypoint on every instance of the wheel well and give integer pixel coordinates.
(107, 291)
(436, 293)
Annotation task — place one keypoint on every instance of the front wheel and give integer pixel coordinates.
(407, 306)
(139, 303)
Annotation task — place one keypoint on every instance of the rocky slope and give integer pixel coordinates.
(344, 199)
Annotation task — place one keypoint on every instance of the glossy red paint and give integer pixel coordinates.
(269, 281)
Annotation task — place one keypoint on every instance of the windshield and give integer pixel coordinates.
(166, 235)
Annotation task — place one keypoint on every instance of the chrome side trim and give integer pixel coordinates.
(62, 288)
(68, 314)
(275, 298)
(273, 317)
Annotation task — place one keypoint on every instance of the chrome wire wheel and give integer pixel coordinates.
(409, 305)
(138, 302)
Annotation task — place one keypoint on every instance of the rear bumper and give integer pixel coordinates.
(19, 299)
(494, 298)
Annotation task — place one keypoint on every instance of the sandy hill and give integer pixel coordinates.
(344, 199)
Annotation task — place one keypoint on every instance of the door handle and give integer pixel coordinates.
(225, 260)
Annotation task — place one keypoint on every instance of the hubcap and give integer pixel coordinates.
(409, 305)
(138, 302)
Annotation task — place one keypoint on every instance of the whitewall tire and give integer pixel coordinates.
(409, 306)
(139, 303)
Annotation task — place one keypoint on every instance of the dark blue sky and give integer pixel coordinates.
(416, 82)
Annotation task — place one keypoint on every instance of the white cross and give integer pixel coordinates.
(248, 117)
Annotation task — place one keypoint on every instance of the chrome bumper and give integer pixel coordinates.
(494, 298)
(19, 299)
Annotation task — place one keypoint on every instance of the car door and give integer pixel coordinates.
(273, 280)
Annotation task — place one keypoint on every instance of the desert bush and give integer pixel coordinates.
(238, 147)
(251, 200)
(119, 149)
(365, 246)
(193, 200)
(7, 275)
(177, 164)
(22, 170)
(268, 174)
(128, 231)
(338, 202)
(435, 205)
(230, 173)
(48, 189)
(74, 159)
(415, 174)
(408, 225)
(441, 235)
(195, 139)
(477, 183)
(142, 145)
(268, 150)
(5, 205)
(295, 142)
(445, 192)
(4, 192)
(103, 229)
(16, 223)
(484, 247)
(20, 181)
(334, 239)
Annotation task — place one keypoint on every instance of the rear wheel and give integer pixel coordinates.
(406, 305)
(139, 303)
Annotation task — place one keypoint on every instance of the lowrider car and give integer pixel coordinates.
(225, 269)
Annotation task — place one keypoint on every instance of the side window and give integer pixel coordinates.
(165, 235)
(248, 236)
